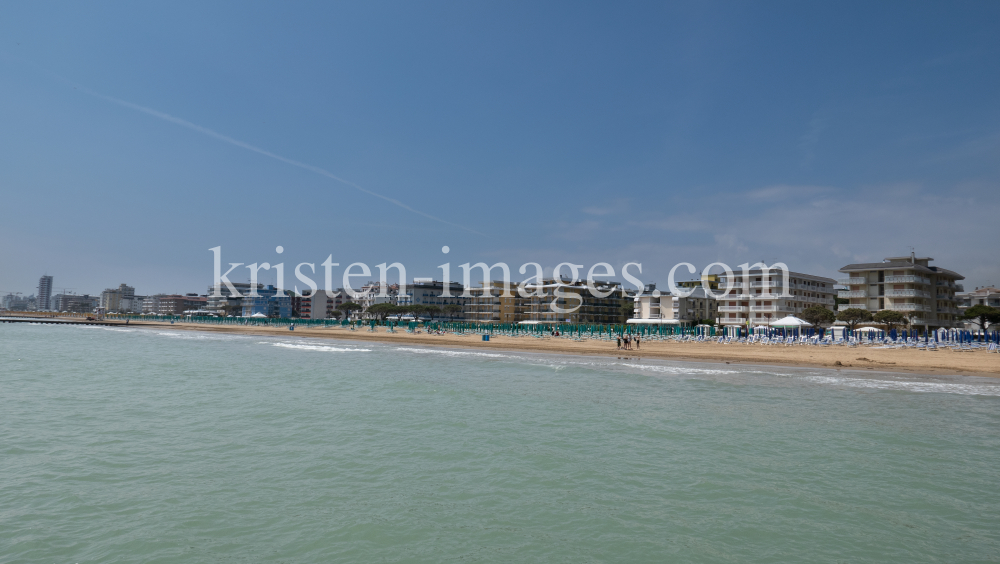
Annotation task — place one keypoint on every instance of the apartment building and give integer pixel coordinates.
(987, 296)
(430, 293)
(320, 304)
(224, 302)
(910, 285)
(267, 303)
(654, 307)
(44, 301)
(371, 294)
(152, 304)
(488, 305)
(14, 302)
(611, 309)
(767, 299)
(112, 298)
(73, 303)
(177, 304)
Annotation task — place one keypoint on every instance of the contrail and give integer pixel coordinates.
(249, 147)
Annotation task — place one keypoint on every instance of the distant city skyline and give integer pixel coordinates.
(136, 137)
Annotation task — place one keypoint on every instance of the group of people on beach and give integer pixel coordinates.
(625, 342)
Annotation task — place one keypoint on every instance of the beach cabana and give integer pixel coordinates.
(790, 322)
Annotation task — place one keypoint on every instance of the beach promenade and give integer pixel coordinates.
(939, 362)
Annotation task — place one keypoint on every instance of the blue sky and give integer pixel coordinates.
(818, 135)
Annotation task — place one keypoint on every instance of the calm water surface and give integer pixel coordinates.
(156, 446)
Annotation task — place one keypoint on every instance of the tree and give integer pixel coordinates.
(346, 308)
(452, 309)
(889, 318)
(983, 314)
(840, 301)
(382, 310)
(854, 315)
(818, 315)
(627, 308)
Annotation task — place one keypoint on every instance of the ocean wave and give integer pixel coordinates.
(199, 336)
(455, 353)
(922, 387)
(679, 369)
(322, 348)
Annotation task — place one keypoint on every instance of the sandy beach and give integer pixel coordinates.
(940, 362)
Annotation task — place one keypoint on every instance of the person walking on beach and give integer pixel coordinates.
(637, 342)
(619, 342)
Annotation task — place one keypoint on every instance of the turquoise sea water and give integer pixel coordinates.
(158, 446)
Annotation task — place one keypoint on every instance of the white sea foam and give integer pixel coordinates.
(454, 353)
(924, 387)
(322, 348)
(198, 336)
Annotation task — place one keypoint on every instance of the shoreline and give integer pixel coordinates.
(910, 361)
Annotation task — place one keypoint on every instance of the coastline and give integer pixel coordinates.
(934, 363)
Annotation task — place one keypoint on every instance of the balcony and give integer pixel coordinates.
(770, 308)
(772, 284)
(852, 281)
(907, 279)
(908, 307)
(906, 294)
(848, 294)
(733, 309)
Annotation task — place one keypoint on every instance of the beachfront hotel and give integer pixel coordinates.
(763, 301)
(910, 285)
(488, 305)
(428, 292)
(656, 308)
(321, 304)
(221, 300)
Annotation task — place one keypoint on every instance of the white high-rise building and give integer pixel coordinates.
(767, 299)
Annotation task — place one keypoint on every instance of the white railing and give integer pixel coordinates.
(770, 308)
(771, 284)
(847, 294)
(906, 294)
(733, 309)
(852, 281)
(907, 279)
(908, 307)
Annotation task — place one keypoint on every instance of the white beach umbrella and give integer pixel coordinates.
(791, 321)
